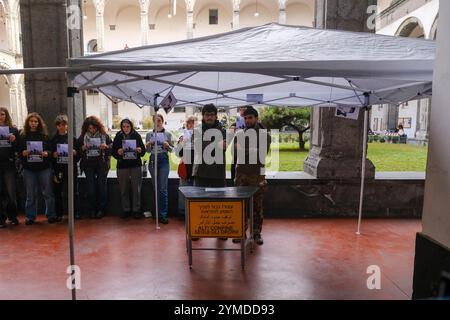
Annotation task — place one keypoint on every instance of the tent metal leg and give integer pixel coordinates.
(363, 168)
(71, 179)
(155, 164)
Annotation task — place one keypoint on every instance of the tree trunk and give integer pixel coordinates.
(301, 141)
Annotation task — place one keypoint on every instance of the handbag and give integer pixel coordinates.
(182, 170)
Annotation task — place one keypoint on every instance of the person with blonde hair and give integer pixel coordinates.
(185, 150)
(35, 151)
(8, 144)
(164, 145)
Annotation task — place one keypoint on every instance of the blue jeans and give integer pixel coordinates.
(163, 182)
(97, 189)
(33, 180)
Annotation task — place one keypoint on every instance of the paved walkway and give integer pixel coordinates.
(301, 259)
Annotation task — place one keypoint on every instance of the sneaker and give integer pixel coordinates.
(29, 222)
(14, 222)
(59, 219)
(52, 220)
(258, 240)
(99, 215)
(164, 221)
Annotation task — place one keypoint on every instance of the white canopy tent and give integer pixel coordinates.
(273, 65)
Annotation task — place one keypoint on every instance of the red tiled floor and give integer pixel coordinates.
(301, 259)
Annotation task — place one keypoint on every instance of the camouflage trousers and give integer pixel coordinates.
(246, 180)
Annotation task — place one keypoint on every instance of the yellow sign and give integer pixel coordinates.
(216, 219)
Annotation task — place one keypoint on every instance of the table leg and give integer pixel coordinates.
(252, 239)
(186, 223)
(190, 253)
(243, 246)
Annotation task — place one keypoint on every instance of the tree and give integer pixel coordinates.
(295, 118)
(147, 123)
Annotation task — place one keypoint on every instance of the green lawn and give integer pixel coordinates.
(386, 157)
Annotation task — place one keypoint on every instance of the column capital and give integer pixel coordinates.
(144, 5)
(99, 7)
(236, 5)
(190, 5)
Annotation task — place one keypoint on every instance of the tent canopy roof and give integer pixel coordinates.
(272, 64)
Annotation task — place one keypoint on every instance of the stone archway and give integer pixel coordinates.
(411, 27)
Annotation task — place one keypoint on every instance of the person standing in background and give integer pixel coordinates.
(128, 149)
(35, 150)
(8, 146)
(185, 151)
(235, 127)
(60, 156)
(210, 175)
(249, 173)
(95, 146)
(164, 145)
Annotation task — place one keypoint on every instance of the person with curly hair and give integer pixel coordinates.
(95, 145)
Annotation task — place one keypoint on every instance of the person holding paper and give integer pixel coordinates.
(163, 142)
(60, 157)
(209, 172)
(235, 127)
(185, 151)
(128, 148)
(95, 146)
(8, 169)
(35, 150)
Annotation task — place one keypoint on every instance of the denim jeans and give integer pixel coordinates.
(163, 182)
(97, 189)
(33, 181)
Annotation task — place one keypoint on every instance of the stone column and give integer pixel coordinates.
(144, 5)
(432, 255)
(336, 143)
(13, 26)
(236, 5)
(14, 103)
(423, 120)
(100, 24)
(392, 116)
(190, 25)
(48, 44)
(105, 110)
(282, 11)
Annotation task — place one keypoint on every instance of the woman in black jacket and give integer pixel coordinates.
(95, 146)
(9, 138)
(60, 159)
(128, 149)
(35, 150)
